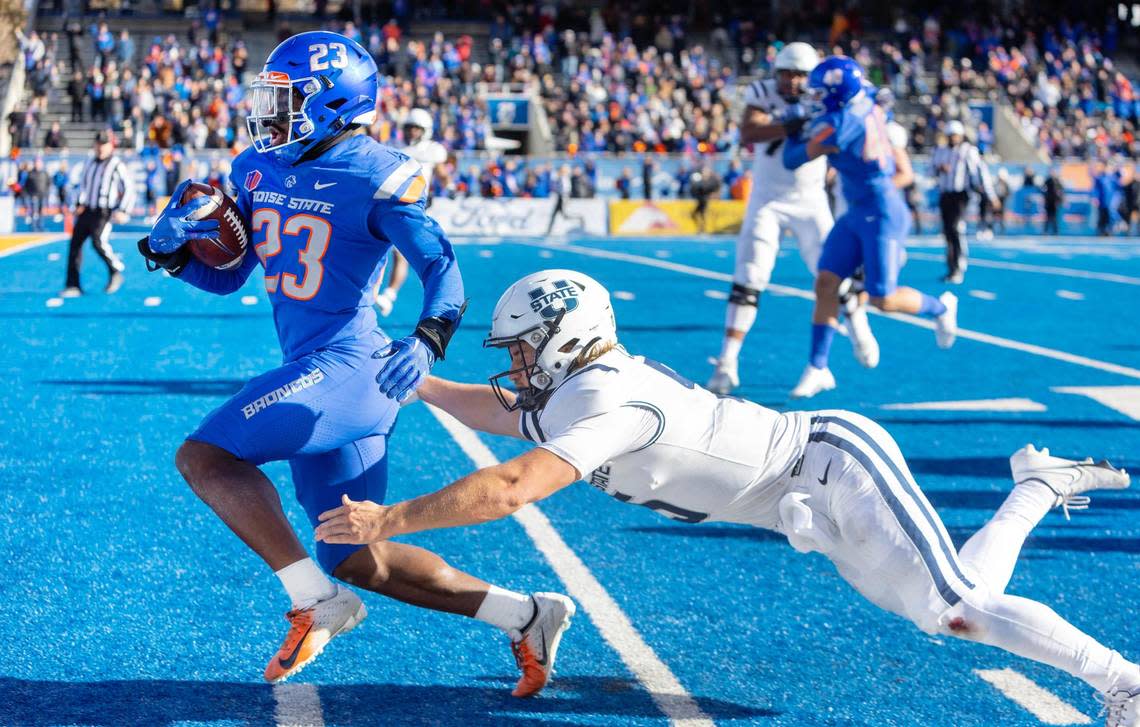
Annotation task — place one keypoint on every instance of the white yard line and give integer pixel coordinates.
(808, 295)
(298, 705)
(615, 627)
(1027, 268)
(1038, 701)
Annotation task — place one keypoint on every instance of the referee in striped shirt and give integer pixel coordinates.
(960, 168)
(106, 193)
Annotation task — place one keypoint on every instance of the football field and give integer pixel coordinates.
(129, 603)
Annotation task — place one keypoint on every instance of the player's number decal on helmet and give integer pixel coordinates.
(318, 232)
(335, 53)
(833, 77)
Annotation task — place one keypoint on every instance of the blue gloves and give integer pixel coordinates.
(172, 229)
(409, 361)
(794, 117)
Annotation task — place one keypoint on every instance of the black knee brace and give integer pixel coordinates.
(743, 295)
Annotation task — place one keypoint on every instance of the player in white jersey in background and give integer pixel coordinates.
(830, 481)
(431, 155)
(780, 199)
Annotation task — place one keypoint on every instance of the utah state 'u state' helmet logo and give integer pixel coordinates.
(546, 303)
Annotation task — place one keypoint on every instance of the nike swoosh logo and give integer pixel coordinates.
(823, 480)
(318, 185)
(516, 317)
(545, 652)
(292, 659)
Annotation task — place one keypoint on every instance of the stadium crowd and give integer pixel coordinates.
(608, 82)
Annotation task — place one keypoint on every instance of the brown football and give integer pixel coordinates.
(233, 232)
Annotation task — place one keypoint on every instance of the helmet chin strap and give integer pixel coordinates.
(325, 144)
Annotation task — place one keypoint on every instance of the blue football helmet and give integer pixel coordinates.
(836, 81)
(313, 85)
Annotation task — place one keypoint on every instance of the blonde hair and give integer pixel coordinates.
(593, 353)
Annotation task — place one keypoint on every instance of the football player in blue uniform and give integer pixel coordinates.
(852, 132)
(325, 204)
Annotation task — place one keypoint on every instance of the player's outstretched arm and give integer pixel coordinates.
(820, 141)
(423, 244)
(482, 496)
(904, 171)
(473, 404)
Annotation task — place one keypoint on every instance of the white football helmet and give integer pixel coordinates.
(422, 119)
(559, 314)
(798, 57)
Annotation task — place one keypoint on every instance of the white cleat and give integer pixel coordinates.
(537, 645)
(863, 343)
(812, 382)
(946, 325)
(1120, 708)
(1067, 478)
(724, 378)
(385, 300)
(310, 631)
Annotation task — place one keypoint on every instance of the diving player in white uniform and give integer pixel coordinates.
(431, 155)
(781, 199)
(830, 481)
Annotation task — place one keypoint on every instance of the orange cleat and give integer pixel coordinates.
(311, 629)
(538, 644)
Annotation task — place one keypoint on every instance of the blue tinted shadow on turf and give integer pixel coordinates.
(1045, 423)
(1035, 541)
(145, 387)
(32, 703)
(135, 315)
(715, 532)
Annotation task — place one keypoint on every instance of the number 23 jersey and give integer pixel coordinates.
(644, 435)
(322, 230)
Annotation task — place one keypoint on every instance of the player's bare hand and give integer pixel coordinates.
(354, 523)
(121, 218)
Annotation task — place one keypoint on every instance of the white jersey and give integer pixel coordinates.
(642, 434)
(428, 153)
(770, 180)
(896, 135)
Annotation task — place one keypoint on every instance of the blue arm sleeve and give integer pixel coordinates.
(795, 153)
(220, 282)
(423, 242)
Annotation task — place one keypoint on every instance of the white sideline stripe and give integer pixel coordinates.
(615, 627)
(1013, 404)
(298, 705)
(913, 320)
(1040, 702)
(1124, 399)
(1027, 268)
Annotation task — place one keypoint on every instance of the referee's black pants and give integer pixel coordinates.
(94, 224)
(953, 208)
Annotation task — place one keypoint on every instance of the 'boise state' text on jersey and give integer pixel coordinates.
(322, 230)
(865, 160)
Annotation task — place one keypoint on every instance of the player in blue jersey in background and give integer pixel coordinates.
(852, 132)
(325, 204)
